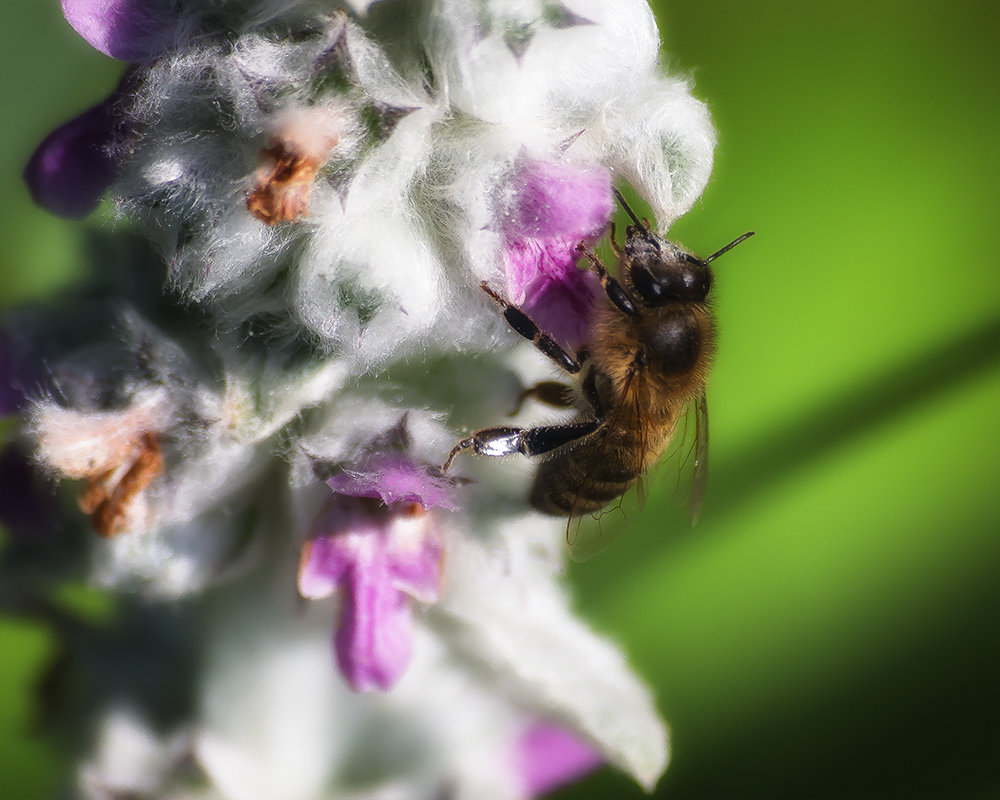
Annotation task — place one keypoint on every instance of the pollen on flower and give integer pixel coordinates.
(117, 453)
(299, 145)
(106, 498)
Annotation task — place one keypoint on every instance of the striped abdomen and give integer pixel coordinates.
(587, 477)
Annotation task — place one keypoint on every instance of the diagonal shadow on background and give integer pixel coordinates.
(804, 440)
(855, 413)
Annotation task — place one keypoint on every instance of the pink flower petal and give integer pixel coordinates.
(556, 207)
(564, 308)
(340, 534)
(378, 558)
(374, 639)
(548, 756)
(129, 30)
(395, 479)
(559, 200)
(415, 554)
(322, 567)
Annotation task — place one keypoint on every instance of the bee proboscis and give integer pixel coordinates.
(645, 362)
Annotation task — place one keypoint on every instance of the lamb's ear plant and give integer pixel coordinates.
(305, 607)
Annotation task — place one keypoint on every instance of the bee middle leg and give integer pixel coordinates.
(552, 393)
(505, 440)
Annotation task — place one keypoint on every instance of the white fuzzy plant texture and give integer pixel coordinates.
(324, 190)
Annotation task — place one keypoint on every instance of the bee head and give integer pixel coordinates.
(660, 272)
(672, 276)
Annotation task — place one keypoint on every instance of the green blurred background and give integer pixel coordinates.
(829, 629)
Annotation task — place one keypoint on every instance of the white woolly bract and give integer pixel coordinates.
(369, 281)
(508, 62)
(504, 612)
(219, 435)
(203, 115)
(339, 317)
(360, 424)
(275, 719)
(402, 220)
(270, 721)
(661, 140)
(129, 757)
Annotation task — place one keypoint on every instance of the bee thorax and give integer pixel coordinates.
(673, 345)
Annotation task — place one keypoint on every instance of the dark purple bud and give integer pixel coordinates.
(74, 165)
(129, 30)
(25, 506)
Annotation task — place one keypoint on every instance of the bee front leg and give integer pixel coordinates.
(616, 294)
(508, 441)
(526, 327)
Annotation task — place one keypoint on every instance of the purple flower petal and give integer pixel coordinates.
(548, 756)
(379, 558)
(564, 308)
(374, 640)
(543, 280)
(395, 479)
(415, 560)
(129, 30)
(74, 166)
(555, 200)
(555, 208)
(331, 552)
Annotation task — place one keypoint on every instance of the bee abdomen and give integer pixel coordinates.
(577, 483)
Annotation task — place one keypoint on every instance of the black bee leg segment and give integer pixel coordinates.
(552, 393)
(526, 327)
(612, 288)
(507, 441)
(614, 244)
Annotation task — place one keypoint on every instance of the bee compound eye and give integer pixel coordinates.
(697, 282)
(649, 288)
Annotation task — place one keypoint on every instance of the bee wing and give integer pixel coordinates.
(700, 477)
(638, 399)
(585, 538)
(688, 454)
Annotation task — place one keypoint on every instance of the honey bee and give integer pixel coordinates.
(645, 362)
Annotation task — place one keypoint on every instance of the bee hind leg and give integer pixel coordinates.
(505, 440)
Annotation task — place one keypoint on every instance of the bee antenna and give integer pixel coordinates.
(728, 247)
(630, 212)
